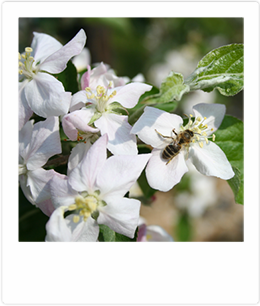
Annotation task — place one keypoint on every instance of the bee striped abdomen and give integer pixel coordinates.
(170, 151)
(183, 139)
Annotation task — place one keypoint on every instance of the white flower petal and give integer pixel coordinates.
(77, 154)
(45, 142)
(78, 100)
(111, 78)
(56, 228)
(25, 136)
(25, 111)
(128, 95)
(57, 62)
(83, 176)
(161, 176)
(96, 77)
(139, 78)
(119, 173)
(85, 79)
(46, 207)
(121, 215)
(78, 121)
(82, 60)
(83, 231)
(214, 114)
(46, 96)
(155, 119)
(211, 160)
(26, 189)
(38, 181)
(120, 141)
(43, 45)
(61, 192)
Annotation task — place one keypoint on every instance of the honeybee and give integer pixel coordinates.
(173, 149)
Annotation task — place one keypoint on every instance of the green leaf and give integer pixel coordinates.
(136, 115)
(172, 89)
(105, 234)
(221, 69)
(68, 77)
(167, 107)
(229, 137)
(108, 235)
(117, 108)
(122, 238)
(235, 183)
(146, 95)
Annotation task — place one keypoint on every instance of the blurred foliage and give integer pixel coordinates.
(131, 46)
(184, 227)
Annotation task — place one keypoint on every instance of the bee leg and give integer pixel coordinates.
(172, 158)
(163, 135)
(168, 161)
(174, 132)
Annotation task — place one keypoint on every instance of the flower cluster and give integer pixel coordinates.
(104, 162)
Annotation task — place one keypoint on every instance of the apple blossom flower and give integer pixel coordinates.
(99, 107)
(39, 91)
(103, 75)
(94, 194)
(158, 129)
(37, 143)
(100, 75)
(150, 233)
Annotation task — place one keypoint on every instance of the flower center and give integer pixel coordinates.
(86, 205)
(26, 64)
(100, 96)
(200, 130)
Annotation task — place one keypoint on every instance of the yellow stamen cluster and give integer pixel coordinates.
(100, 96)
(199, 129)
(25, 63)
(198, 125)
(85, 206)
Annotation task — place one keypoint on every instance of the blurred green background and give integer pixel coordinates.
(153, 47)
